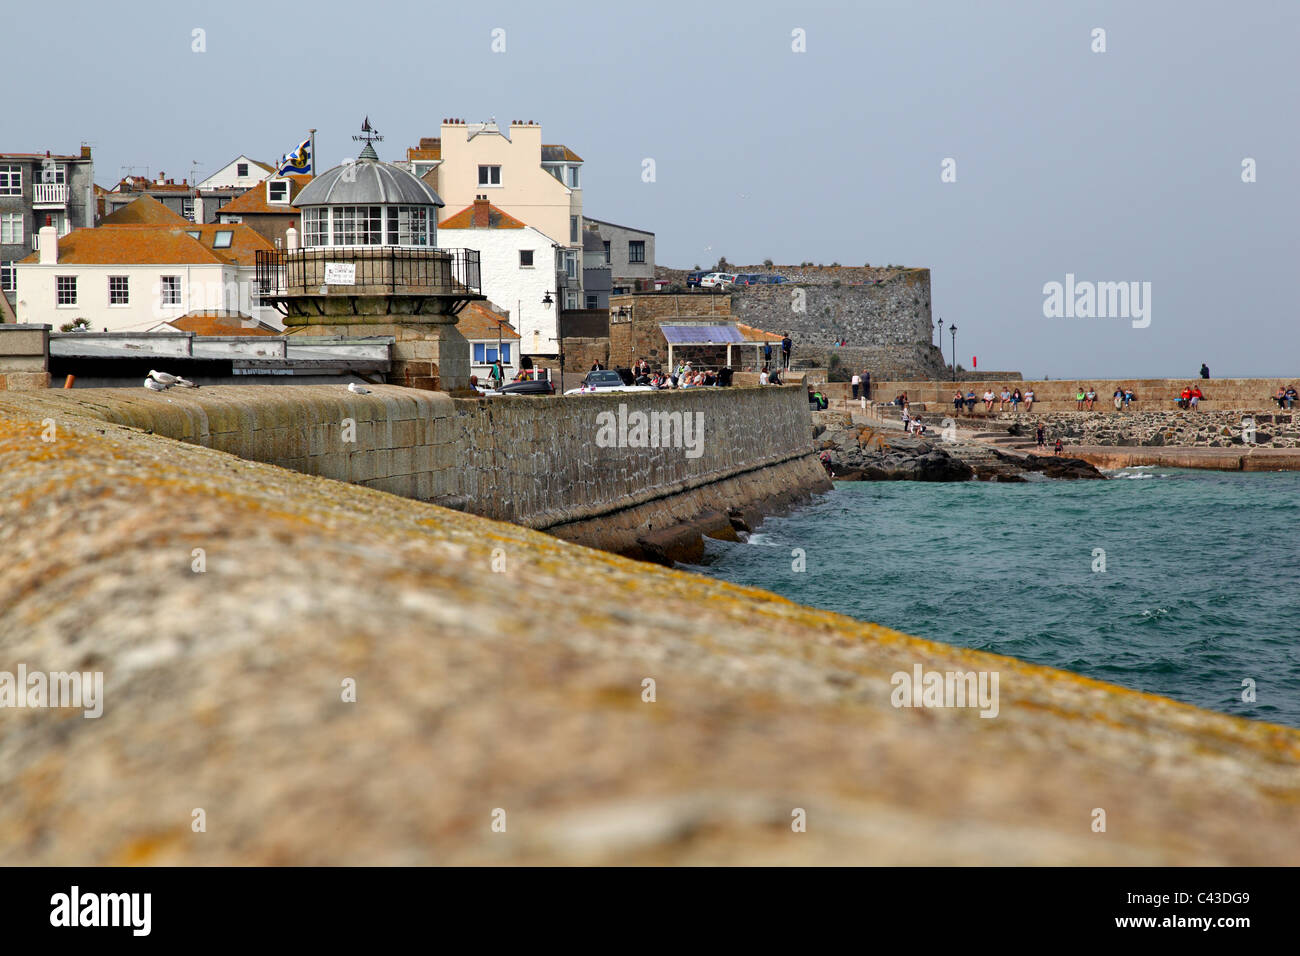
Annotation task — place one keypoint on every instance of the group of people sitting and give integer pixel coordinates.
(770, 376)
(1009, 398)
(1285, 397)
(685, 376)
(1189, 397)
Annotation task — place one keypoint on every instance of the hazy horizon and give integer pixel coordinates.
(1115, 166)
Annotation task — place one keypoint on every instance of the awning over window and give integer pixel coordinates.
(702, 334)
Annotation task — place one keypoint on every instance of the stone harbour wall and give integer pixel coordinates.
(539, 462)
(1180, 428)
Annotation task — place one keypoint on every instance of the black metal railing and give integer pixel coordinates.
(368, 271)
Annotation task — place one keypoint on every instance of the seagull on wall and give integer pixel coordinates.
(358, 390)
(155, 386)
(166, 379)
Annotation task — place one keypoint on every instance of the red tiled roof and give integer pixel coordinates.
(752, 334)
(477, 321)
(217, 322)
(496, 220)
(158, 245)
(253, 201)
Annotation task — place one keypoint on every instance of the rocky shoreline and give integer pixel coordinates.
(859, 452)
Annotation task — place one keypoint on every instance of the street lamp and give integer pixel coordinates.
(953, 329)
(559, 333)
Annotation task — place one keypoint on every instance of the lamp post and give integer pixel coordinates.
(559, 334)
(953, 329)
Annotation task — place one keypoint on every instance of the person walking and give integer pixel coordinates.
(1041, 434)
(786, 345)
(856, 382)
(497, 374)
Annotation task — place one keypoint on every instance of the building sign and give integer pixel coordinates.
(340, 273)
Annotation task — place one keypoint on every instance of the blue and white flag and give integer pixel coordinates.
(298, 161)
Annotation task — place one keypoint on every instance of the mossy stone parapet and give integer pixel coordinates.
(499, 667)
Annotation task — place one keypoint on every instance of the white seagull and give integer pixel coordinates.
(155, 386)
(166, 378)
(357, 389)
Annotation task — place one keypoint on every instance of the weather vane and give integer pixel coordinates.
(368, 133)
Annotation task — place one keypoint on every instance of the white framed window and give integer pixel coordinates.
(408, 225)
(636, 250)
(277, 191)
(571, 264)
(572, 176)
(52, 172)
(8, 277)
(573, 228)
(525, 258)
(489, 175)
(230, 220)
(119, 290)
(11, 228)
(11, 179)
(571, 298)
(222, 239)
(65, 290)
(357, 226)
(169, 288)
(187, 208)
(315, 227)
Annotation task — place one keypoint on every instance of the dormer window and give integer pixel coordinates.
(571, 179)
(277, 191)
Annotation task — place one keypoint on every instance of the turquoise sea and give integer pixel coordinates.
(1200, 592)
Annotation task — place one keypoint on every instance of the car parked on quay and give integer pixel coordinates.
(718, 280)
(606, 380)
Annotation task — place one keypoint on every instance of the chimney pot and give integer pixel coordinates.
(49, 220)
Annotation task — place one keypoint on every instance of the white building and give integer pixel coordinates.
(126, 278)
(239, 173)
(516, 264)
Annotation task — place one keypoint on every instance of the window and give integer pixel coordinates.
(119, 292)
(11, 228)
(592, 301)
(241, 170)
(608, 260)
(573, 228)
(222, 239)
(11, 180)
(489, 175)
(65, 290)
(277, 191)
(357, 226)
(408, 225)
(554, 171)
(316, 227)
(480, 352)
(187, 208)
(8, 277)
(570, 299)
(525, 258)
(571, 264)
(573, 177)
(505, 353)
(170, 287)
(52, 172)
(636, 250)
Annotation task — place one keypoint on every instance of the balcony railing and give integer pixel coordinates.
(361, 270)
(49, 194)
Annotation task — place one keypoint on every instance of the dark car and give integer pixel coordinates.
(749, 278)
(693, 279)
(772, 280)
(532, 386)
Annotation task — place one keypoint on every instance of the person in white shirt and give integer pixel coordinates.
(988, 401)
(1029, 400)
(762, 377)
(857, 384)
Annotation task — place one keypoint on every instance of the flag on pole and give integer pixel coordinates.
(297, 161)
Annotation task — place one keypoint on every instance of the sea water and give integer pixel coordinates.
(1175, 582)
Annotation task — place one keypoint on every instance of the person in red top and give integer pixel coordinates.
(1196, 396)
(1185, 398)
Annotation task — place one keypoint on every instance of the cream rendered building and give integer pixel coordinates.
(539, 184)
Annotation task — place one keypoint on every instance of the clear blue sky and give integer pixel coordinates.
(1115, 166)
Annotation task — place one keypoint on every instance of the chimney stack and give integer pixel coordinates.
(481, 212)
(48, 238)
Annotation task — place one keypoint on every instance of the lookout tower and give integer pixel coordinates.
(367, 262)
